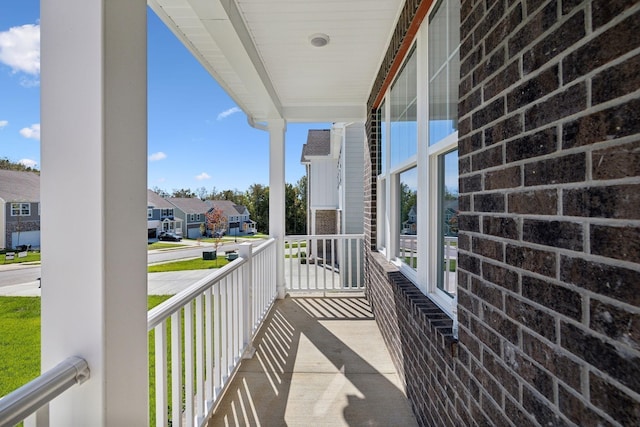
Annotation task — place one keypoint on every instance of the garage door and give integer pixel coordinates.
(193, 233)
(26, 238)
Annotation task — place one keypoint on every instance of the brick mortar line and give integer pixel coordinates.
(562, 87)
(596, 146)
(559, 186)
(555, 380)
(521, 381)
(553, 250)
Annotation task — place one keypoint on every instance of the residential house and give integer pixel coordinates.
(161, 216)
(192, 213)
(526, 111)
(335, 187)
(19, 209)
(238, 221)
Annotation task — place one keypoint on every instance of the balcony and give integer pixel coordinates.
(228, 352)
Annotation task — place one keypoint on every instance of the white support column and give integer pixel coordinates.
(93, 193)
(277, 129)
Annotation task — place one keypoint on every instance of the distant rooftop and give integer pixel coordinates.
(318, 144)
(18, 186)
(156, 201)
(189, 205)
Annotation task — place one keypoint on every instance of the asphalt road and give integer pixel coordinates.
(31, 274)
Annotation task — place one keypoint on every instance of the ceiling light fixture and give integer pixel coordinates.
(319, 40)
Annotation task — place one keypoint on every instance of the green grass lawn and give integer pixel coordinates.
(190, 264)
(163, 245)
(32, 256)
(20, 343)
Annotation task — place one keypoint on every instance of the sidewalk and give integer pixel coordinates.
(169, 283)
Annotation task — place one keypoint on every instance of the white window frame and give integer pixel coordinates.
(425, 277)
(18, 209)
(149, 213)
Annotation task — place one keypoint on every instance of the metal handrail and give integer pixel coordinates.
(20, 403)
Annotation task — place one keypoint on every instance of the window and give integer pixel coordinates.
(166, 213)
(20, 209)
(149, 213)
(418, 177)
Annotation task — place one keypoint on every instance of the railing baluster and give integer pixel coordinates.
(199, 357)
(188, 363)
(160, 338)
(217, 339)
(176, 369)
(208, 330)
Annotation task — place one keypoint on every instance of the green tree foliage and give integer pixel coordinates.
(296, 207)
(183, 192)
(257, 202)
(6, 164)
(408, 199)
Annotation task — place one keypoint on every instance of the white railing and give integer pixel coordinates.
(211, 326)
(36, 395)
(409, 250)
(324, 262)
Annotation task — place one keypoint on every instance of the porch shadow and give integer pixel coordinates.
(318, 361)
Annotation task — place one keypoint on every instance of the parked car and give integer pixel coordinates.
(218, 234)
(169, 236)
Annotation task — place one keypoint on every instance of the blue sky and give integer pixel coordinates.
(197, 136)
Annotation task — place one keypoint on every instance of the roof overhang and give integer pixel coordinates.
(260, 53)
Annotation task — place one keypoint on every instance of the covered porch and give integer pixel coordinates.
(281, 62)
(318, 361)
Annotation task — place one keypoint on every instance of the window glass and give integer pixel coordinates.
(448, 221)
(408, 198)
(381, 222)
(444, 70)
(382, 153)
(403, 118)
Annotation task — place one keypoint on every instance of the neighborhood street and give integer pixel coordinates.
(17, 275)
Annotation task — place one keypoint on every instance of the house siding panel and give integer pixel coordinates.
(354, 201)
(548, 274)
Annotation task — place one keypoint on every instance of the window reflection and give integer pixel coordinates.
(448, 222)
(408, 245)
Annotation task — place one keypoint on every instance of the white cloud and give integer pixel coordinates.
(228, 112)
(157, 156)
(3, 123)
(202, 176)
(28, 162)
(32, 132)
(20, 49)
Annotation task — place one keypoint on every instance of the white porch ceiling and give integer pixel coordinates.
(259, 52)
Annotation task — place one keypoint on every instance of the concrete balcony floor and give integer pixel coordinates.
(319, 361)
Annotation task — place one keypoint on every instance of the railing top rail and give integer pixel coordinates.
(19, 404)
(323, 236)
(163, 311)
(263, 246)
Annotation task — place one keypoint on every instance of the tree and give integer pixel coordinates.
(257, 202)
(160, 192)
(296, 209)
(216, 222)
(6, 164)
(183, 192)
(408, 199)
(202, 193)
